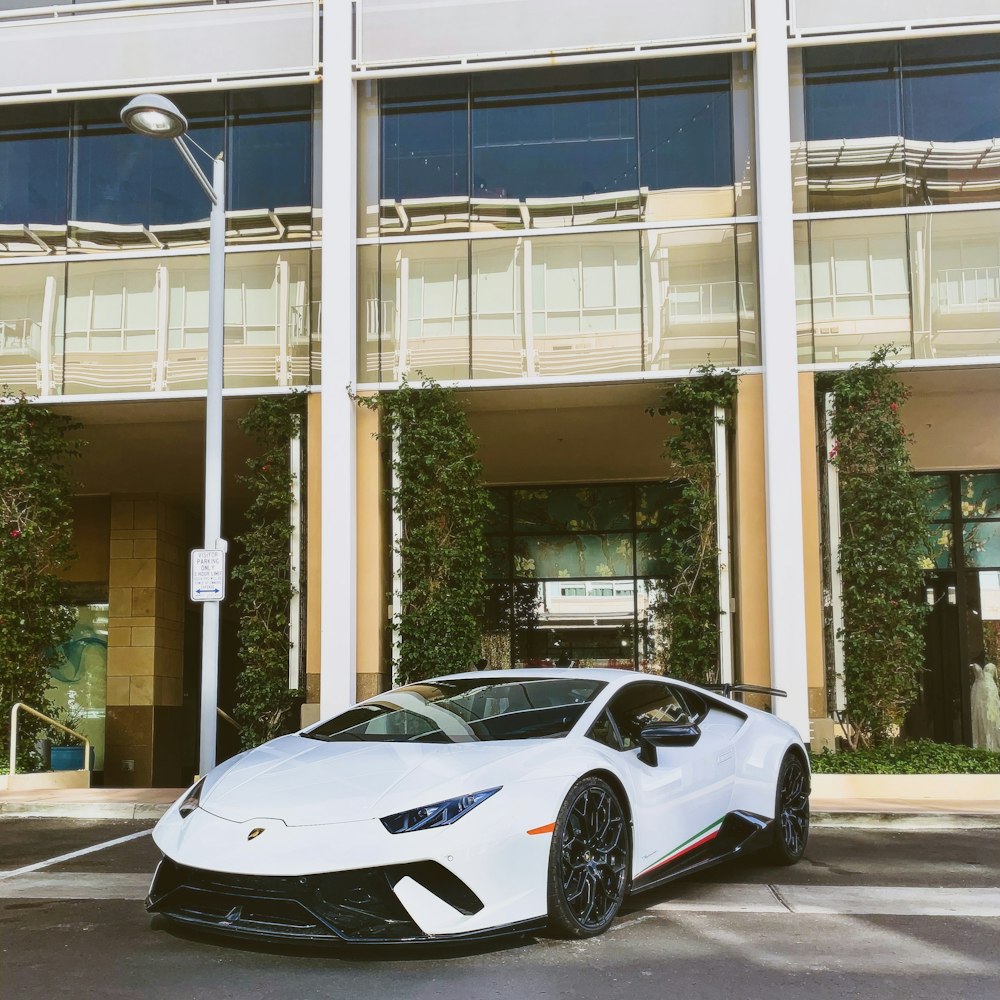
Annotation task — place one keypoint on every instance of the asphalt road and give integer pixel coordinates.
(868, 914)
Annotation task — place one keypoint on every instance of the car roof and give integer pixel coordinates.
(611, 676)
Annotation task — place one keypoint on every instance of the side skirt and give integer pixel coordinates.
(740, 833)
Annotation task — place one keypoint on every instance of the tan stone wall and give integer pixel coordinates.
(146, 590)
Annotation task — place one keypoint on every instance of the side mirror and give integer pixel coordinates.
(666, 734)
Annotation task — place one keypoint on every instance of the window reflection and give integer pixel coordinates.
(860, 293)
(564, 146)
(915, 123)
(31, 315)
(693, 299)
(956, 284)
(142, 325)
(686, 148)
(270, 159)
(559, 305)
(425, 154)
(131, 191)
(34, 152)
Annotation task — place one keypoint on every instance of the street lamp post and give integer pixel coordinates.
(156, 116)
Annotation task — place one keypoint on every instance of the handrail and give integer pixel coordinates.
(225, 715)
(51, 722)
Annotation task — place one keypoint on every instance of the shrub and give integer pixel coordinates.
(686, 611)
(36, 542)
(910, 757)
(265, 706)
(444, 509)
(882, 539)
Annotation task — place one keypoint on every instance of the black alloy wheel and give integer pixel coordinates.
(589, 860)
(791, 812)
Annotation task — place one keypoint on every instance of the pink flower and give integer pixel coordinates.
(15, 533)
(894, 407)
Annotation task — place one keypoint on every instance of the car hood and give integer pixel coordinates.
(306, 782)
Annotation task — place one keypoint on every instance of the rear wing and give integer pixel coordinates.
(737, 691)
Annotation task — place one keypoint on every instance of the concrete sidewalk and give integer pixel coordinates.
(151, 803)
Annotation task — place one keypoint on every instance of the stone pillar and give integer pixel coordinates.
(146, 591)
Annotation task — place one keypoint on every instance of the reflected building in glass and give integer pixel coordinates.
(560, 220)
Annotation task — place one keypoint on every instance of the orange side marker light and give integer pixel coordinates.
(548, 828)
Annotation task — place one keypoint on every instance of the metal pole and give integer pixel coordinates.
(213, 462)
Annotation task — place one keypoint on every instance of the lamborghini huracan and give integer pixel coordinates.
(478, 805)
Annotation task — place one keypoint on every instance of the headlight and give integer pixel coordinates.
(437, 814)
(192, 800)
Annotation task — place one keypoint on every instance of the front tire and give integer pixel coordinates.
(589, 861)
(791, 812)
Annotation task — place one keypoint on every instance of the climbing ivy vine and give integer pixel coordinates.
(37, 448)
(686, 606)
(444, 509)
(265, 707)
(882, 541)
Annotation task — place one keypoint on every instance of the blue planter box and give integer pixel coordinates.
(69, 758)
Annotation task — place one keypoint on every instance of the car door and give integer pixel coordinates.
(681, 802)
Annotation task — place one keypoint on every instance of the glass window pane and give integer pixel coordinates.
(860, 297)
(937, 497)
(585, 293)
(746, 288)
(572, 508)
(691, 297)
(955, 271)
(425, 154)
(686, 142)
(425, 307)
(853, 128)
(34, 153)
(951, 110)
(134, 192)
(368, 158)
(497, 308)
(31, 321)
(563, 139)
(575, 623)
(555, 556)
(981, 541)
(270, 148)
(374, 332)
(980, 495)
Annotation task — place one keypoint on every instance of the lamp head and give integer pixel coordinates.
(154, 115)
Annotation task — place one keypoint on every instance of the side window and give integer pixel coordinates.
(603, 731)
(643, 704)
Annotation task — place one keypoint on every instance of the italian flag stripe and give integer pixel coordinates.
(702, 837)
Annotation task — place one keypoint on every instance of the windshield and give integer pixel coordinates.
(466, 710)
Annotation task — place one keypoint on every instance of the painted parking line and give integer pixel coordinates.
(74, 854)
(75, 885)
(874, 900)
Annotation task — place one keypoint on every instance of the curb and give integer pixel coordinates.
(905, 821)
(84, 810)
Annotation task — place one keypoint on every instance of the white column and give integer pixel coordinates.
(783, 474)
(722, 543)
(338, 628)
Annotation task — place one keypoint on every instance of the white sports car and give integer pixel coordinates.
(479, 804)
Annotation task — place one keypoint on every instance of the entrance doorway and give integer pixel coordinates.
(962, 591)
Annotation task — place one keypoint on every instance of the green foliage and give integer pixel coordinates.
(444, 509)
(687, 609)
(36, 542)
(911, 757)
(882, 539)
(265, 706)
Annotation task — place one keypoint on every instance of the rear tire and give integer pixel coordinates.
(791, 812)
(589, 860)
